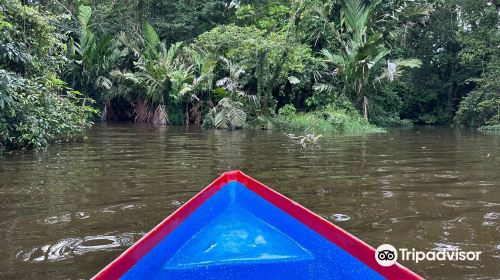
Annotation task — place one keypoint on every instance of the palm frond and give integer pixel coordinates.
(322, 87)
(335, 59)
(84, 15)
(254, 100)
(103, 82)
(410, 63)
(172, 52)
(228, 114)
(151, 38)
(236, 117)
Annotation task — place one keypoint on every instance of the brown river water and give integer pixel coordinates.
(67, 211)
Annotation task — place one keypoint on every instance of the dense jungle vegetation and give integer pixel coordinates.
(339, 65)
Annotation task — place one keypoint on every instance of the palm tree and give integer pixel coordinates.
(362, 51)
(201, 87)
(161, 75)
(95, 57)
(230, 112)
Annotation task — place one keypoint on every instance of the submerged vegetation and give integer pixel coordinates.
(307, 65)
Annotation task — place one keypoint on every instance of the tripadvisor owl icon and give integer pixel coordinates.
(386, 255)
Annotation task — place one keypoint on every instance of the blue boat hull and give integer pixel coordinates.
(238, 235)
(238, 228)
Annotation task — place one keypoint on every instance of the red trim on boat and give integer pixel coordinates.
(348, 242)
(132, 255)
(351, 244)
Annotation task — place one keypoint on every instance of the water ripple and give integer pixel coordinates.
(445, 247)
(340, 217)
(69, 247)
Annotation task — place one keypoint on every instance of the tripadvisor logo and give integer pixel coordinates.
(387, 255)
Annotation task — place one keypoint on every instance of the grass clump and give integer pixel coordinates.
(490, 128)
(327, 120)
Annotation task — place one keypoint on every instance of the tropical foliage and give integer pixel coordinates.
(480, 39)
(93, 56)
(233, 64)
(363, 52)
(229, 112)
(36, 105)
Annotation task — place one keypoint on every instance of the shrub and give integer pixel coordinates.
(35, 113)
(328, 120)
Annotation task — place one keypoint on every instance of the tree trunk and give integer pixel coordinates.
(186, 116)
(140, 7)
(70, 6)
(365, 108)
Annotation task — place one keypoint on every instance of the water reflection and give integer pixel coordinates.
(68, 211)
